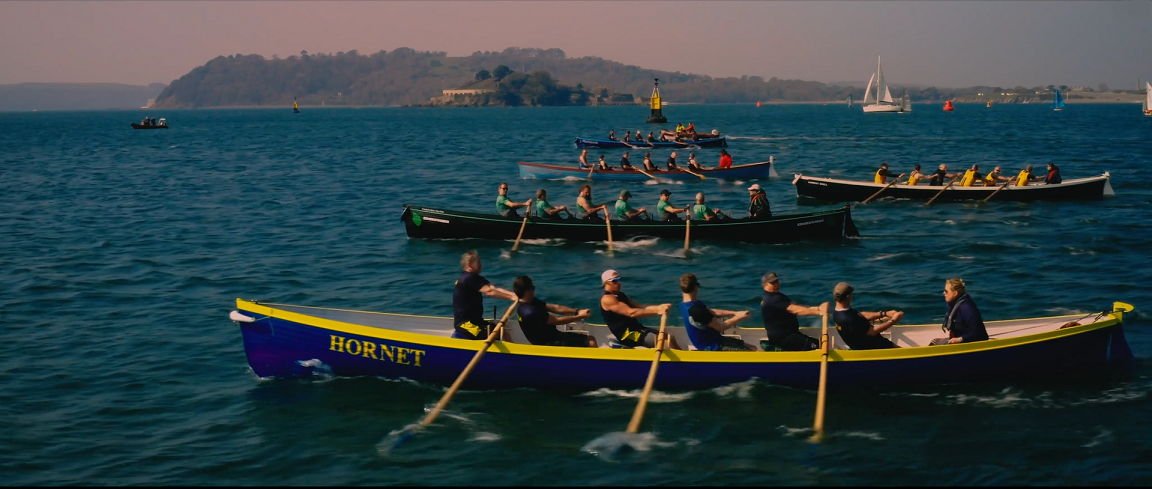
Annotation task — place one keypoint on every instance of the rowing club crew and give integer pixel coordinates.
(725, 162)
(622, 210)
(971, 177)
(682, 132)
(704, 325)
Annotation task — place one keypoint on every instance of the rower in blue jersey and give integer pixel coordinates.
(703, 324)
(467, 302)
(538, 322)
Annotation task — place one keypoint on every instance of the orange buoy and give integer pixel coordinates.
(948, 106)
(758, 104)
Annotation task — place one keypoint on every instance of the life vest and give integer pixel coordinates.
(879, 177)
(969, 178)
(914, 178)
(991, 179)
(1022, 179)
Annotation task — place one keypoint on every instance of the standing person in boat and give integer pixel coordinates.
(915, 176)
(937, 178)
(779, 313)
(1053, 176)
(648, 165)
(665, 211)
(883, 174)
(584, 160)
(612, 135)
(672, 162)
(602, 165)
(467, 302)
(993, 178)
(758, 202)
(625, 211)
(692, 165)
(624, 163)
(546, 210)
(703, 324)
(538, 322)
(701, 211)
(725, 159)
(586, 208)
(504, 206)
(963, 321)
(856, 328)
(622, 315)
(971, 176)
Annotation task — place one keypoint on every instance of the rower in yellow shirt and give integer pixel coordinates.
(1025, 176)
(882, 175)
(915, 176)
(971, 176)
(993, 178)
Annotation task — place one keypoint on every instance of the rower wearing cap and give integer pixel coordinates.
(665, 211)
(779, 313)
(701, 211)
(624, 210)
(538, 323)
(861, 330)
(622, 315)
(703, 324)
(504, 206)
(883, 174)
(602, 164)
(758, 202)
(467, 302)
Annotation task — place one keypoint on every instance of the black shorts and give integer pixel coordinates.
(570, 339)
(796, 342)
(645, 336)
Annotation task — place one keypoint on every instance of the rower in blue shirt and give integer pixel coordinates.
(703, 324)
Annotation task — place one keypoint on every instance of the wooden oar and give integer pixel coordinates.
(1002, 187)
(702, 177)
(590, 172)
(527, 212)
(933, 199)
(638, 415)
(646, 173)
(687, 231)
(869, 199)
(467, 370)
(818, 427)
(608, 223)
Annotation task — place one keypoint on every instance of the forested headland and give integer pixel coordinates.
(405, 76)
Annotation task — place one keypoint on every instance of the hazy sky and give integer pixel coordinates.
(942, 43)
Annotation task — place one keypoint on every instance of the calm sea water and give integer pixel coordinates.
(122, 251)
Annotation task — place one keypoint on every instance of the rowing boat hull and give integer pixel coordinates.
(426, 223)
(142, 126)
(835, 190)
(584, 143)
(285, 341)
(543, 171)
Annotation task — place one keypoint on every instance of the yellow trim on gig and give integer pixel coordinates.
(644, 355)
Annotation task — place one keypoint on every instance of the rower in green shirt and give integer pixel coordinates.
(701, 211)
(504, 206)
(665, 210)
(546, 210)
(624, 211)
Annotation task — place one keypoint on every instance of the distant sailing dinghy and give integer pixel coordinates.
(877, 98)
(1058, 102)
(905, 102)
(1147, 98)
(849, 101)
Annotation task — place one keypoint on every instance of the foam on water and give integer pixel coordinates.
(656, 396)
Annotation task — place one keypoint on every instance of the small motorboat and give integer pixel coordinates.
(151, 124)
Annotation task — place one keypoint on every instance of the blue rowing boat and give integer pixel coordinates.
(586, 143)
(542, 171)
(291, 341)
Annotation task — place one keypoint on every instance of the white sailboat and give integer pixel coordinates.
(1147, 98)
(905, 102)
(877, 98)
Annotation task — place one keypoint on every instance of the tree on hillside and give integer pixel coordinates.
(500, 72)
(483, 75)
(1103, 87)
(1064, 88)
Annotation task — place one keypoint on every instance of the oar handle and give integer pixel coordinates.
(821, 393)
(638, 414)
(467, 370)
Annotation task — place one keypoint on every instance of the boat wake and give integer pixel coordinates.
(655, 397)
(742, 390)
(806, 432)
(630, 244)
(611, 446)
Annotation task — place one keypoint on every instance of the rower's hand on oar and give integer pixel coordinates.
(583, 313)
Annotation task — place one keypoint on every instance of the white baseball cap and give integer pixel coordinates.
(609, 275)
(755, 186)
